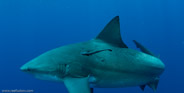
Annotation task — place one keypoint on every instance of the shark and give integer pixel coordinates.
(102, 62)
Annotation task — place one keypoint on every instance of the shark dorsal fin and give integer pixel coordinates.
(111, 33)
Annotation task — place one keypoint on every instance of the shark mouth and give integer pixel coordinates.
(48, 77)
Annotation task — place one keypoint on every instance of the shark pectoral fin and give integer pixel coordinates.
(111, 33)
(142, 48)
(77, 85)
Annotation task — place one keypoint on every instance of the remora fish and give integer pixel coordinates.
(103, 62)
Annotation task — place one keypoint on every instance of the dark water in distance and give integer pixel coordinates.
(31, 27)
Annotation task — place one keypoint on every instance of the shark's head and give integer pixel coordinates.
(51, 65)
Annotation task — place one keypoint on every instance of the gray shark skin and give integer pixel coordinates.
(103, 62)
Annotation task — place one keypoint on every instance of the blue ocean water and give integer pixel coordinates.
(31, 27)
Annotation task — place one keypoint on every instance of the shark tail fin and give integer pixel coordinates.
(153, 85)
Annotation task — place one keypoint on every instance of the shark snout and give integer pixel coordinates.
(24, 68)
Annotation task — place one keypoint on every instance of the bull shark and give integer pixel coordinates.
(103, 62)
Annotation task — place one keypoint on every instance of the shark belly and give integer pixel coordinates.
(118, 80)
(133, 69)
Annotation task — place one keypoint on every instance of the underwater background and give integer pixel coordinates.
(29, 28)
